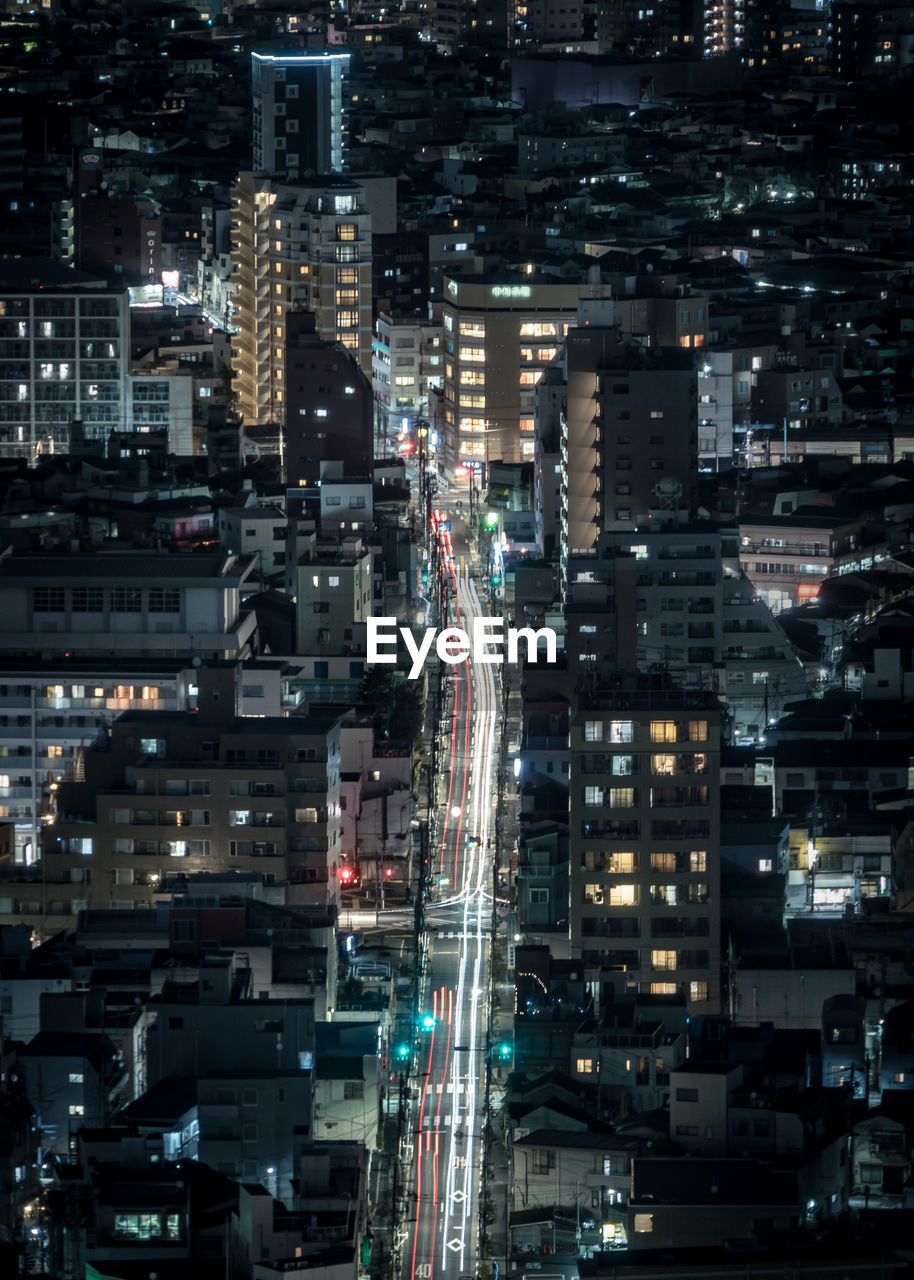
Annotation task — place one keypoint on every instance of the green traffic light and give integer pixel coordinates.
(403, 1051)
(428, 1022)
(504, 1050)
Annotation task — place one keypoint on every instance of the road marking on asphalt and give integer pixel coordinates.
(456, 1245)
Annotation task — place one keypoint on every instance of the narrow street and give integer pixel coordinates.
(444, 1152)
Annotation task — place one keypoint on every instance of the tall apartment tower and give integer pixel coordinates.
(724, 26)
(299, 119)
(629, 437)
(644, 790)
(296, 246)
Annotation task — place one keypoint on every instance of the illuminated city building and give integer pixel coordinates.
(500, 334)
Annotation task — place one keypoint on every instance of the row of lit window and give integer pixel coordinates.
(666, 764)
(660, 731)
(628, 797)
(147, 692)
(527, 329)
(629, 895)
(627, 862)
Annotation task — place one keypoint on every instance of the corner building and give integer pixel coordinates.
(644, 792)
(500, 334)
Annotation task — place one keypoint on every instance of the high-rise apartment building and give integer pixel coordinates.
(629, 437)
(299, 117)
(302, 246)
(725, 26)
(644, 784)
(63, 358)
(500, 334)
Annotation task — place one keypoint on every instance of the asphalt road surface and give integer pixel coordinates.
(445, 1147)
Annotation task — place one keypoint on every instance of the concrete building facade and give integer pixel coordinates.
(500, 334)
(644, 783)
(306, 245)
(299, 115)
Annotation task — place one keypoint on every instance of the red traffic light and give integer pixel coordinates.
(388, 873)
(346, 874)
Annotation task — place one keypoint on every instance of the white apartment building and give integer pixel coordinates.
(715, 411)
(162, 400)
(406, 361)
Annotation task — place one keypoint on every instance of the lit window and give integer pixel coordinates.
(663, 959)
(644, 1222)
(663, 731)
(698, 990)
(621, 731)
(585, 1066)
(593, 730)
(76, 1077)
(622, 797)
(698, 731)
(623, 895)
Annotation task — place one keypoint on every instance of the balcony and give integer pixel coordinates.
(610, 830)
(545, 742)
(541, 871)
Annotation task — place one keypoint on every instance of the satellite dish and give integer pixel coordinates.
(668, 492)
